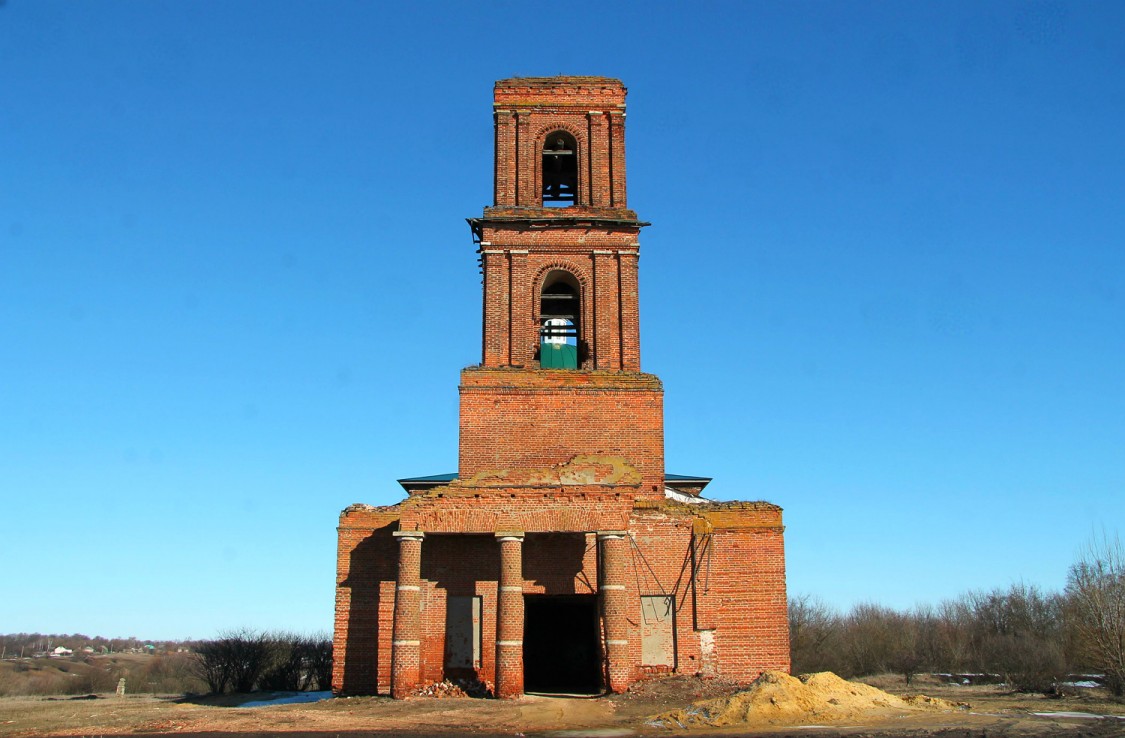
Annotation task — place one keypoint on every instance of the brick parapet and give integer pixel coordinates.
(559, 93)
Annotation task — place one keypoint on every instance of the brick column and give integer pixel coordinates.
(406, 634)
(615, 555)
(509, 616)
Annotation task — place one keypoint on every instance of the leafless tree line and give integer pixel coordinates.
(244, 660)
(17, 645)
(1030, 638)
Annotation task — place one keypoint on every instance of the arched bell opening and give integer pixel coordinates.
(560, 313)
(560, 170)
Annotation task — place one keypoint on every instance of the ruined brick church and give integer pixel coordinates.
(561, 557)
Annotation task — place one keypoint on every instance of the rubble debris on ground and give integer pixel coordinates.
(775, 698)
(453, 688)
(673, 689)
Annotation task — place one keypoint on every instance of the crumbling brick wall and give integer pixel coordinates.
(723, 564)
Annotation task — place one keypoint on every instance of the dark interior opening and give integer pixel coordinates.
(560, 170)
(560, 644)
(559, 303)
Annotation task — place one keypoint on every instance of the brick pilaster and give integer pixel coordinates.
(615, 555)
(617, 158)
(497, 294)
(406, 643)
(505, 176)
(597, 171)
(527, 192)
(509, 616)
(522, 331)
(606, 343)
(630, 311)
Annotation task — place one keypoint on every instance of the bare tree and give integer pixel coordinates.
(213, 664)
(1096, 593)
(813, 629)
(907, 644)
(1018, 632)
(319, 662)
(236, 660)
(283, 671)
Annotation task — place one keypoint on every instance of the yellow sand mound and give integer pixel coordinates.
(775, 698)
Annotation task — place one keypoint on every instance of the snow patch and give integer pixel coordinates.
(1081, 715)
(289, 698)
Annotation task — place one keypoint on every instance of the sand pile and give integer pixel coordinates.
(776, 698)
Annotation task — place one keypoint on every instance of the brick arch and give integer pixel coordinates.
(581, 139)
(541, 133)
(576, 270)
(585, 298)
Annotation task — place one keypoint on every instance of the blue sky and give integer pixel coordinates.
(883, 285)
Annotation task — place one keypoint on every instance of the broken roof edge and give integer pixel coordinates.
(560, 80)
(438, 480)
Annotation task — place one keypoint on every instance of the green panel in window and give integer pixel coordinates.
(558, 356)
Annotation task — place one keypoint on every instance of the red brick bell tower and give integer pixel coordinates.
(560, 556)
(559, 253)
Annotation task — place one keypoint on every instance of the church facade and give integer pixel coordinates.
(560, 557)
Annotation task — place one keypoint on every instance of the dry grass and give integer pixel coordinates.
(994, 711)
(79, 675)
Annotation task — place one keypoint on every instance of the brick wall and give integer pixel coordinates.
(366, 562)
(514, 419)
(723, 564)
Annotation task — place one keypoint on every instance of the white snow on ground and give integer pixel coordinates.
(1084, 715)
(289, 698)
(1085, 685)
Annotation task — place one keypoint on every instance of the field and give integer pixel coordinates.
(86, 674)
(993, 712)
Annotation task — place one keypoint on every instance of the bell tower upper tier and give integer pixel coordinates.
(560, 141)
(559, 247)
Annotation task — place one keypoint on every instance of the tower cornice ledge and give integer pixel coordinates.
(550, 380)
(557, 218)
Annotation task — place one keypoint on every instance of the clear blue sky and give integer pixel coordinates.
(884, 285)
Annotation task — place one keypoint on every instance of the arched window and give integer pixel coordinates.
(559, 315)
(560, 170)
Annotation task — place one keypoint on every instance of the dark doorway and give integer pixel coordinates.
(560, 644)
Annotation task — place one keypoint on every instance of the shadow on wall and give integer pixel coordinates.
(371, 562)
(554, 561)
